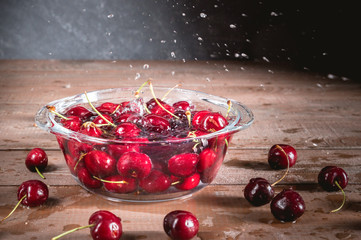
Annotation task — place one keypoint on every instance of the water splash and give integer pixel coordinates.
(137, 76)
(110, 15)
(146, 66)
(172, 54)
(265, 59)
(203, 15)
(233, 26)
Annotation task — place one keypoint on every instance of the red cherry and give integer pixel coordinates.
(258, 192)
(108, 108)
(206, 159)
(197, 118)
(328, 177)
(152, 103)
(156, 181)
(86, 178)
(183, 105)
(189, 183)
(129, 117)
(72, 123)
(155, 123)
(100, 164)
(80, 112)
(212, 122)
(70, 162)
(120, 184)
(90, 130)
(106, 226)
(134, 164)
(287, 206)
(116, 150)
(180, 225)
(103, 225)
(36, 193)
(127, 130)
(183, 165)
(36, 160)
(100, 120)
(158, 110)
(277, 158)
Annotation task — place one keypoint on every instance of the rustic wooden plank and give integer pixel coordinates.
(222, 211)
(239, 166)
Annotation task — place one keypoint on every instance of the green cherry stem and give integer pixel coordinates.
(166, 94)
(344, 198)
(136, 94)
(16, 206)
(107, 181)
(288, 166)
(72, 230)
(40, 174)
(52, 110)
(156, 100)
(92, 106)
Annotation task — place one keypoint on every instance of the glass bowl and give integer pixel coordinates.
(203, 153)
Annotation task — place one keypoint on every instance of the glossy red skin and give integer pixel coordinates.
(258, 192)
(91, 131)
(183, 105)
(206, 159)
(180, 225)
(155, 182)
(155, 123)
(80, 112)
(287, 206)
(107, 226)
(278, 160)
(329, 175)
(36, 158)
(134, 164)
(100, 120)
(77, 148)
(70, 162)
(128, 187)
(100, 163)
(116, 150)
(189, 183)
(209, 174)
(198, 116)
(127, 130)
(72, 123)
(128, 117)
(183, 165)
(158, 110)
(152, 103)
(212, 122)
(108, 108)
(86, 178)
(36, 193)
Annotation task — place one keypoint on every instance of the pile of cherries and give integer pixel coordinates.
(153, 147)
(288, 205)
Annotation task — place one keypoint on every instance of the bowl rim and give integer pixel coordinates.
(54, 127)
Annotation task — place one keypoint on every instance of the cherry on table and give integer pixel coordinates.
(37, 161)
(281, 156)
(180, 225)
(287, 206)
(258, 192)
(31, 193)
(328, 177)
(103, 225)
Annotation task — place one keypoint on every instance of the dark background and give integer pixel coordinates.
(314, 35)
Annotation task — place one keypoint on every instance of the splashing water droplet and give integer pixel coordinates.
(110, 15)
(270, 71)
(208, 79)
(137, 76)
(273, 14)
(172, 54)
(162, 41)
(203, 15)
(130, 66)
(331, 76)
(237, 55)
(183, 14)
(146, 66)
(265, 59)
(232, 26)
(200, 39)
(173, 73)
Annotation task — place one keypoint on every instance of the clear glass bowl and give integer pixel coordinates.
(75, 146)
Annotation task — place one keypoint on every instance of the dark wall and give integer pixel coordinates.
(319, 35)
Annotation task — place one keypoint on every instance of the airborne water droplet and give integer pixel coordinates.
(137, 76)
(232, 26)
(110, 15)
(203, 15)
(172, 54)
(146, 66)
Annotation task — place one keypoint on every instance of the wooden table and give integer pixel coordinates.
(319, 115)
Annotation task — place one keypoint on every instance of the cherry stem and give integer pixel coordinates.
(136, 94)
(52, 110)
(107, 181)
(288, 166)
(156, 100)
(40, 174)
(101, 115)
(16, 206)
(166, 94)
(72, 230)
(229, 103)
(344, 198)
(80, 158)
(116, 109)
(175, 183)
(188, 114)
